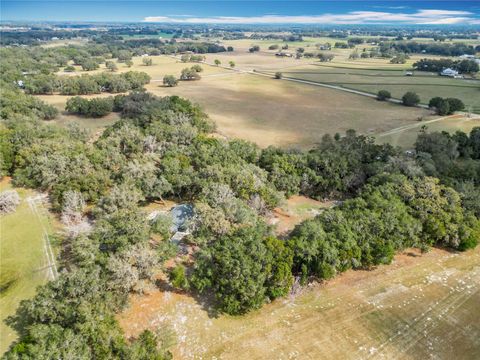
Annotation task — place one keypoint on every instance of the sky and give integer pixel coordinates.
(246, 12)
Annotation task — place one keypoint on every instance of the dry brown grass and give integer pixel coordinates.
(417, 308)
(274, 112)
(406, 138)
(268, 111)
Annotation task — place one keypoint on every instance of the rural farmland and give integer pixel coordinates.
(278, 180)
(410, 309)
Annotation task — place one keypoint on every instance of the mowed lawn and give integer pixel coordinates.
(419, 307)
(22, 258)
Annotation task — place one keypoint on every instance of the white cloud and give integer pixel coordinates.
(354, 17)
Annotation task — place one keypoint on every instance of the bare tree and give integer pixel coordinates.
(9, 200)
(72, 214)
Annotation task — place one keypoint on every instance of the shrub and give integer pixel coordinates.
(197, 68)
(278, 75)
(410, 99)
(383, 95)
(189, 74)
(178, 278)
(170, 80)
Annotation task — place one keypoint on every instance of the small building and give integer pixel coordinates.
(449, 72)
(283, 54)
(409, 73)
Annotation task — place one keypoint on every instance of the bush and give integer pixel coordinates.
(455, 104)
(278, 75)
(189, 74)
(178, 277)
(446, 106)
(410, 99)
(170, 80)
(383, 95)
(197, 68)
(435, 102)
(96, 107)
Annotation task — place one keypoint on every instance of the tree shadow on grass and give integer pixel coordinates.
(206, 301)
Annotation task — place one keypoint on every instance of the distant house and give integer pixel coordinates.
(409, 73)
(283, 54)
(467, 57)
(20, 84)
(449, 72)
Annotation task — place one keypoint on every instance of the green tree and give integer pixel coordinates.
(188, 74)
(410, 99)
(147, 61)
(383, 95)
(170, 80)
(217, 62)
(197, 68)
(243, 269)
(110, 65)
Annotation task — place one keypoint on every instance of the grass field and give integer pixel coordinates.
(63, 118)
(419, 307)
(23, 257)
(406, 137)
(426, 85)
(266, 111)
(275, 112)
(162, 65)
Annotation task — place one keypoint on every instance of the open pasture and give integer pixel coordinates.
(24, 260)
(406, 137)
(275, 112)
(419, 307)
(263, 110)
(162, 65)
(426, 85)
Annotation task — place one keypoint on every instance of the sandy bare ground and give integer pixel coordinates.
(419, 307)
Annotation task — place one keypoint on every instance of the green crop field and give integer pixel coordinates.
(23, 257)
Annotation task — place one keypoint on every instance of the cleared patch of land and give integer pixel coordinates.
(419, 307)
(295, 210)
(405, 137)
(24, 260)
